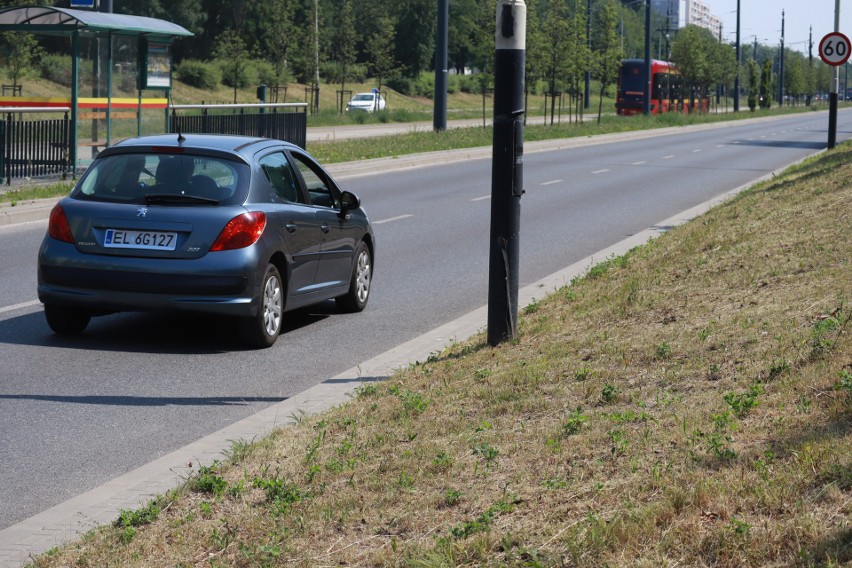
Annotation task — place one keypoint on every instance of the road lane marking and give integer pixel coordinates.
(397, 218)
(551, 182)
(696, 150)
(638, 163)
(19, 306)
(668, 157)
(483, 198)
(599, 172)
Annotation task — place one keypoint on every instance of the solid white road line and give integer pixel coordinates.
(390, 219)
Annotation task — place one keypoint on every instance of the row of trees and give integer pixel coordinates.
(393, 41)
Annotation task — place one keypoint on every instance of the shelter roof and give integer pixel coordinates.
(47, 19)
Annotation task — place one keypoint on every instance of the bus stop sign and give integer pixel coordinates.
(835, 49)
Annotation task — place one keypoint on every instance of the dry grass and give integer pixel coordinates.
(689, 404)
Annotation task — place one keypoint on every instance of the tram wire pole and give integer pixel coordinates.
(506, 170)
(646, 100)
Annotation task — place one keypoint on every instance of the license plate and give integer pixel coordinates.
(151, 240)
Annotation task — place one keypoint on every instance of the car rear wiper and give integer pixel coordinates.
(172, 198)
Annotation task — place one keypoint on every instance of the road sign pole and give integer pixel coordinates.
(832, 109)
(506, 170)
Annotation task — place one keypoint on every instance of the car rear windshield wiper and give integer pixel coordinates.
(177, 199)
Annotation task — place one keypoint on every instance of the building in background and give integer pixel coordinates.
(681, 13)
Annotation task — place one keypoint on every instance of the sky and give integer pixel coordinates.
(762, 18)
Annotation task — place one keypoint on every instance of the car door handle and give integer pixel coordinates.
(325, 228)
(291, 227)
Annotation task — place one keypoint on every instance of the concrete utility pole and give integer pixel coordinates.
(439, 119)
(507, 170)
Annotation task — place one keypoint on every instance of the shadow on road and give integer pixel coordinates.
(152, 333)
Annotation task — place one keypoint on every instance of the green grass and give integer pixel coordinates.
(597, 438)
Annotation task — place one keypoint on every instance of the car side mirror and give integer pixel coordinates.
(348, 202)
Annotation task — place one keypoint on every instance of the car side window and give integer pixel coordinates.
(281, 177)
(321, 191)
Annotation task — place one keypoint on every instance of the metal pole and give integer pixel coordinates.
(646, 101)
(507, 170)
(439, 120)
(739, 53)
(587, 93)
(835, 86)
(781, 66)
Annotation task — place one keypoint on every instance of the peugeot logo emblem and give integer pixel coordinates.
(143, 211)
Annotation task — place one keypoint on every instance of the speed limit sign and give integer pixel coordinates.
(835, 48)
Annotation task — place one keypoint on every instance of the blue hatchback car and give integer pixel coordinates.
(230, 225)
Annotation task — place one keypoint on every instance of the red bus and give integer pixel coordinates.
(666, 89)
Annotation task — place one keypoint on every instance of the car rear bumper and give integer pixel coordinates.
(219, 283)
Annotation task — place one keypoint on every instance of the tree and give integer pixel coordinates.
(581, 60)
(343, 46)
(380, 48)
(608, 55)
(766, 82)
(20, 50)
(277, 37)
(557, 51)
(232, 53)
(754, 82)
(691, 52)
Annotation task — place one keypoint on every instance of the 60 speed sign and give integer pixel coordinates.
(835, 49)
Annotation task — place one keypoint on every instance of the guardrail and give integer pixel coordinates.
(286, 121)
(33, 148)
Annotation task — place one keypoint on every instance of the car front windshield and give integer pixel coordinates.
(175, 178)
(363, 97)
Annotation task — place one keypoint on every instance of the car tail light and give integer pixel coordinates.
(58, 227)
(241, 231)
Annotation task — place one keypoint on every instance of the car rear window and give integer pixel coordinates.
(133, 178)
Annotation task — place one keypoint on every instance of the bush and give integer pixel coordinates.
(265, 72)
(402, 85)
(240, 76)
(199, 74)
(56, 68)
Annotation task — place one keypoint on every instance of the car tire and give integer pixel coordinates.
(263, 329)
(66, 321)
(356, 298)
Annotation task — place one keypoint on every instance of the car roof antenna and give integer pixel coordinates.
(181, 137)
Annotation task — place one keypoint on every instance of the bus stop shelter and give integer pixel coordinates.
(151, 37)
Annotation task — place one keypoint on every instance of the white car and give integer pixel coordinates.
(368, 102)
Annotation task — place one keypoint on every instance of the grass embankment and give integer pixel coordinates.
(689, 403)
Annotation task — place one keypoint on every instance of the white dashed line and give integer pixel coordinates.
(19, 306)
(668, 157)
(483, 198)
(638, 163)
(600, 172)
(551, 182)
(696, 150)
(397, 218)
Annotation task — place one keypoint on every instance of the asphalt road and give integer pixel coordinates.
(75, 413)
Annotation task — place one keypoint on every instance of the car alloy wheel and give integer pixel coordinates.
(262, 330)
(356, 298)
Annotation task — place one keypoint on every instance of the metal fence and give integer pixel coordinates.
(33, 148)
(40, 147)
(281, 121)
